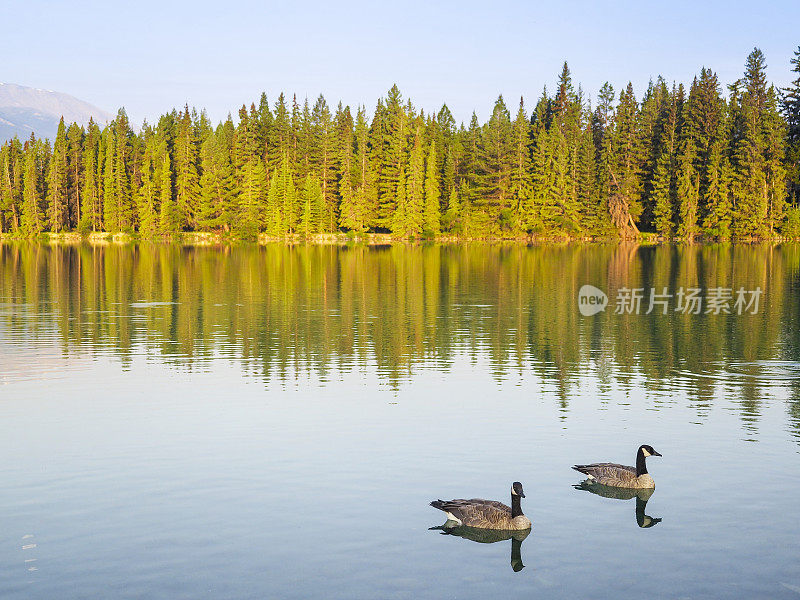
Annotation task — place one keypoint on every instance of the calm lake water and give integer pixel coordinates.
(272, 422)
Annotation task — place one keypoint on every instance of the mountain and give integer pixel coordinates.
(24, 110)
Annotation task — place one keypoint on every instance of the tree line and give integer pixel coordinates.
(678, 163)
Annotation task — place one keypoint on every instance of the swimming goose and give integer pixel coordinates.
(615, 475)
(486, 514)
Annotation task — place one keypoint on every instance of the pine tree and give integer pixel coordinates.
(217, 185)
(520, 181)
(431, 220)
(313, 213)
(168, 218)
(187, 182)
(350, 212)
(391, 129)
(791, 111)
(91, 197)
(32, 218)
(280, 145)
(493, 170)
(323, 159)
(628, 153)
(252, 200)
(75, 173)
(717, 221)
(57, 200)
(110, 208)
(365, 198)
(688, 190)
(602, 129)
(415, 187)
(117, 209)
(147, 194)
(9, 187)
(750, 185)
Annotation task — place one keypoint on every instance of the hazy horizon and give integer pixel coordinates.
(150, 58)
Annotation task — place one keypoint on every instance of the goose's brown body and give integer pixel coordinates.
(615, 475)
(484, 514)
(622, 476)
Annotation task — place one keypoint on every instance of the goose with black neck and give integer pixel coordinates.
(616, 475)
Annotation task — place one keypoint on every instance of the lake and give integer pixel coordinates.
(273, 421)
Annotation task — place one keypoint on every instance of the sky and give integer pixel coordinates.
(150, 56)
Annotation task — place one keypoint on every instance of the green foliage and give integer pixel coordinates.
(690, 165)
(791, 226)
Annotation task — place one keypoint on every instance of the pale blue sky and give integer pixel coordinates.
(150, 56)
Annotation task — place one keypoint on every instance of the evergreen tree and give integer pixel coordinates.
(32, 218)
(365, 201)
(168, 218)
(75, 172)
(91, 193)
(390, 146)
(414, 217)
(57, 200)
(217, 185)
(628, 157)
(791, 111)
(187, 182)
(323, 159)
(252, 200)
(520, 181)
(750, 187)
(494, 168)
(147, 193)
(688, 190)
(431, 221)
(351, 215)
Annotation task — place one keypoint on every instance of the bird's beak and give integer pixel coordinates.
(656, 453)
(522, 494)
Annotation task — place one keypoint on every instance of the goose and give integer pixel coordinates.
(614, 475)
(486, 514)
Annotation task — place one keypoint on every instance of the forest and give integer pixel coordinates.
(682, 164)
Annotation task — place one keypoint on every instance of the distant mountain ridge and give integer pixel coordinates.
(26, 110)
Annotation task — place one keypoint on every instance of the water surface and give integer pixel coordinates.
(255, 422)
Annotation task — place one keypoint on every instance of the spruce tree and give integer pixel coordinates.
(252, 201)
(365, 197)
(217, 185)
(147, 193)
(187, 181)
(57, 200)
(431, 219)
(791, 112)
(350, 212)
(323, 158)
(520, 181)
(75, 173)
(32, 218)
(168, 218)
(415, 187)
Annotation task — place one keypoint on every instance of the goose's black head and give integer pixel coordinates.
(648, 450)
(516, 489)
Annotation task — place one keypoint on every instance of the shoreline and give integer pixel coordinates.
(192, 238)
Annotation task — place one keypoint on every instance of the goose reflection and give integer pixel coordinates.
(490, 536)
(641, 495)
